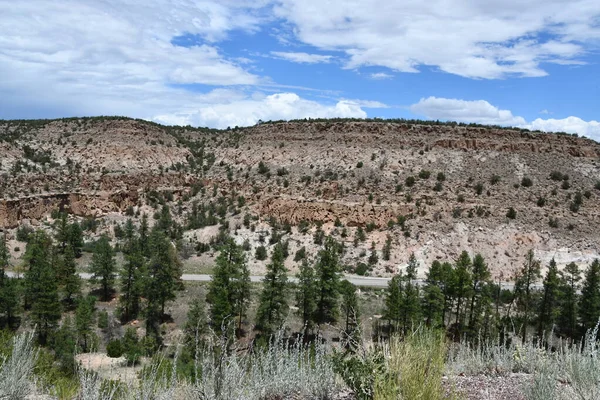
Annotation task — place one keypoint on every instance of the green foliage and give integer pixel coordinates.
(24, 232)
(410, 181)
(261, 253)
(272, 308)
(306, 294)
(589, 303)
(41, 289)
(525, 280)
(132, 276)
(84, 320)
(424, 174)
(229, 290)
(327, 272)
(511, 213)
(549, 306)
(114, 348)
(526, 182)
(262, 168)
(103, 267)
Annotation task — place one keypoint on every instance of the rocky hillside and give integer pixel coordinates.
(433, 189)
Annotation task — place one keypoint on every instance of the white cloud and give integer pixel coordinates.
(381, 75)
(478, 111)
(590, 129)
(477, 39)
(247, 111)
(482, 112)
(114, 57)
(304, 58)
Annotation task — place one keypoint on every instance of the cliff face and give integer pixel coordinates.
(358, 173)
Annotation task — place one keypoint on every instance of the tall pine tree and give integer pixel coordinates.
(104, 267)
(327, 271)
(132, 276)
(229, 289)
(306, 300)
(569, 310)
(525, 282)
(549, 308)
(273, 307)
(589, 303)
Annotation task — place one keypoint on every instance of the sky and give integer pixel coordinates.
(526, 63)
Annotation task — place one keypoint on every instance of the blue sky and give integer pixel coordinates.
(531, 64)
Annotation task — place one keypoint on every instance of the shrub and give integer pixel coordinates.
(495, 179)
(438, 186)
(359, 164)
(565, 185)
(114, 348)
(553, 222)
(361, 269)
(261, 253)
(556, 176)
(300, 254)
(479, 188)
(262, 168)
(23, 233)
(511, 213)
(526, 182)
(282, 171)
(597, 185)
(424, 174)
(441, 177)
(410, 181)
(541, 201)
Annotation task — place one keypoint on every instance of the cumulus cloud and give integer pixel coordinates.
(249, 110)
(482, 112)
(590, 129)
(475, 39)
(304, 58)
(478, 111)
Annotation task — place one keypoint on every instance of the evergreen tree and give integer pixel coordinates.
(327, 283)
(65, 346)
(549, 308)
(163, 279)
(273, 307)
(410, 308)
(569, 310)
(76, 238)
(306, 294)
(229, 289)
(463, 282)
(479, 299)
(103, 267)
(350, 311)
(387, 248)
(524, 290)
(433, 295)
(144, 236)
(195, 327)
(69, 280)
(41, 286)
(9, 293)
(61, 226)
(393, 301)
(589, 302)
(84, 320)
(132, 278)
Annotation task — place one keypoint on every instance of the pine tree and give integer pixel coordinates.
(589, 302)
(9, 293)
(163, 279)
(84, 320)
(549, 308)
(524, 290)
(76, 238)
(393, 301)
(69, 280)
(195, 327)
(132, 278)
(569, 310)
(387, 248)
(350, 311)
(306, 294)
(410, 309)
(65, 346)
(62, 232)
(41, 286)
(103, 267)
(229, 289)
(144, 238)
(273, 307)
(433, 295)
(328, 278)
(462, 286)
(479, 301)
